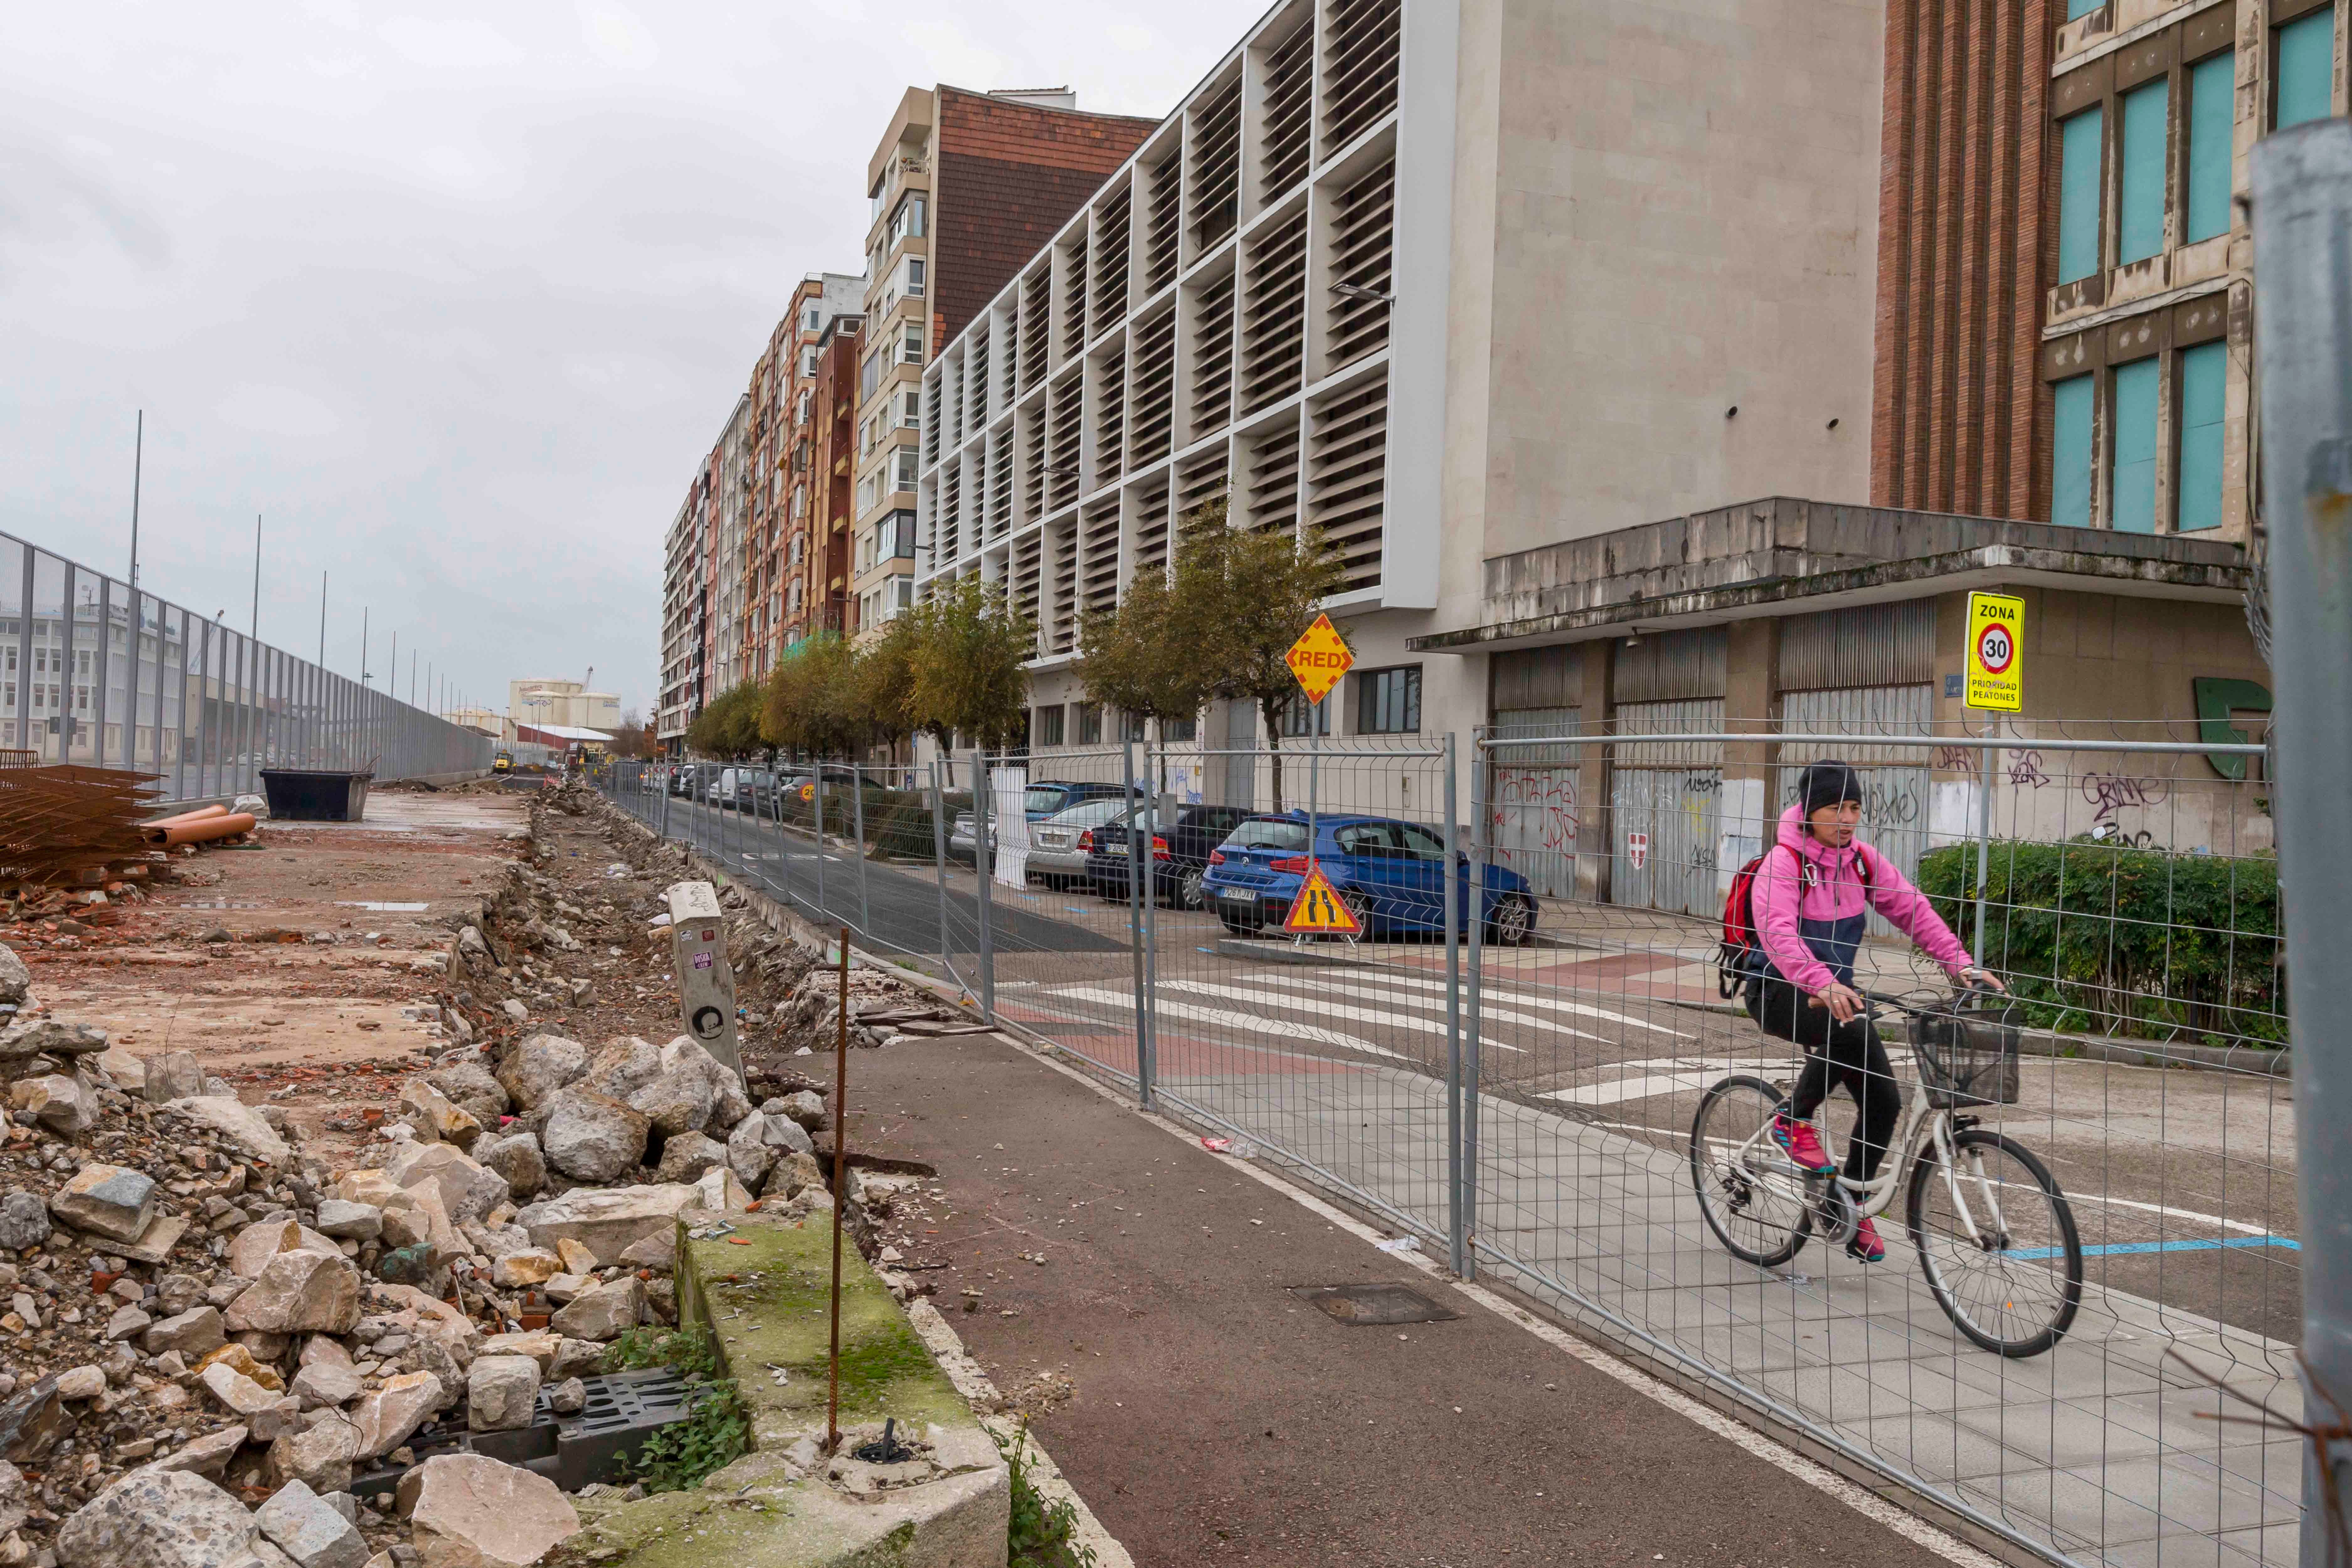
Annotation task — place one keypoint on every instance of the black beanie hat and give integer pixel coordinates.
(1828, 783)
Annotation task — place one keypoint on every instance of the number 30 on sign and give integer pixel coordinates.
(1996, 669)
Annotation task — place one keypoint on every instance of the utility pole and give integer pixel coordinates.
(138, 457)
(257, 576)
(322, 620)
(363, 642)
(2303, 341)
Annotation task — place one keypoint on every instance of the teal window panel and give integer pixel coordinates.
(2080, 142)
(2081, 7)
(2069, 459)
(2212, 92)
(2133, 473)
(2203, 369)
(2306, 68)
(2139, 220)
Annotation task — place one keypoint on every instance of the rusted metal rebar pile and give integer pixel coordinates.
(61, 824)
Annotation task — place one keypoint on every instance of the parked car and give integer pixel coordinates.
(1042, 801)
(1181, 848)
(1059, 845)
(1391, 873)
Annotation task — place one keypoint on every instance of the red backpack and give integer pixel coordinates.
(1739, 957)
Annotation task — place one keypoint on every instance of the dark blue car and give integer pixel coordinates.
(1391, 873)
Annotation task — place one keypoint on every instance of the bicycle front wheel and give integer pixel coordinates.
(1749, 1192)
(1996, 1243)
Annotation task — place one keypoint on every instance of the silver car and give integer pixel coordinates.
(1059, 846)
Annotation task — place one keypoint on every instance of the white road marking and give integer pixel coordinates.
(1330, 1009)
(1613, 1091)
(1488, 1015)
(1528, 999)
(1226, 1018)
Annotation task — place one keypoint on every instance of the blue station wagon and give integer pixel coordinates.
(1390, 873)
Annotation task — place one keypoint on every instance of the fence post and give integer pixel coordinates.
(1143, 876)
(1984, 832)
(1457, 872)
(939, 861)
(1134, 930)
(820, 837)
(984, 865)
(2303, 343)
(1468, 1266)
(858, 805)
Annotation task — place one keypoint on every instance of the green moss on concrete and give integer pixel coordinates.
(765, 1294)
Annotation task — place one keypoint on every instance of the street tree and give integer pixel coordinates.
(729, 725)
(811, 703)
(886, 679)
(1242, 598)
(971, 644)
(1140, 656)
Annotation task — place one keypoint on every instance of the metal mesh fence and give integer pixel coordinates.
(1528, 1060)
(93, 673)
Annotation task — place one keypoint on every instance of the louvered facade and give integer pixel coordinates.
(1185, 332)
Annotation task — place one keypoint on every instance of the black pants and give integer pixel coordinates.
(1847, 1056)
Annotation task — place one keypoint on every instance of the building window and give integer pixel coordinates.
(913, 287)
(911, 408)
(1090, 724)
(2211, 109)
(1050, 722)
(1299, 713)
(905, 222)
(2071, 452)
(1180, 731)
(911, 344)
(2081, 141)
(1388, 701)
(869, 376)
(2133, 470)
(2304, 72)
(2139, 222)
(894, 535)
(1130, 726)
(904, 462)
(2199, 481)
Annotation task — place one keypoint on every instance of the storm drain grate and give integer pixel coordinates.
(1373, 1305)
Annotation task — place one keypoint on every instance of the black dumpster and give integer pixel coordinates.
(315, 794)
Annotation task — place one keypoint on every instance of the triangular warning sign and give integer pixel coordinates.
(1319, 909)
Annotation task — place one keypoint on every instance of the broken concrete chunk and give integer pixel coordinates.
(687, 1155)
(606, 1312)
(195, 1334)
(172, 1076)
(532, 1266)
(24, 1221)
(391, 1415)
(299, 1292)
(501, 1392)
(67, 1104)
(469, 1512)
(111, 1201)
(319, 1455)
(538, 1067)
(225, 1113)
(305, 1527)
(259, 1242)
(593, 1137)
(236, 1390)
(470, 1088)
(605, 1220)
(205, 1456)
(156, 1518)
(340, 1219)
(517, 1158)
(323, 1386)
(437, 1117)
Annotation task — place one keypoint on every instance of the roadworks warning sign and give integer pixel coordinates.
(1319, 910)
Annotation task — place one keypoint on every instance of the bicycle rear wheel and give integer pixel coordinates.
(2004, 1261)
(1749, 1192)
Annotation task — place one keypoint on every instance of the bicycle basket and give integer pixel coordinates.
(1967, 1055)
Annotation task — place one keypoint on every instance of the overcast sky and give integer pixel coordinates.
(455, 298)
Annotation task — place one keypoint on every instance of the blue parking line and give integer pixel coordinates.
(2229, 1243)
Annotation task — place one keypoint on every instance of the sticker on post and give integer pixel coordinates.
(703, 961)
(1637, 849)
(1318, 910)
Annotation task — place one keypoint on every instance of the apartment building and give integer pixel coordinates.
(962, 188)
(2066, 270)
(684, 604)
(791, 569)
(833, 438)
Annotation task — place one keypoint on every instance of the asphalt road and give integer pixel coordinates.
(1209, 1416)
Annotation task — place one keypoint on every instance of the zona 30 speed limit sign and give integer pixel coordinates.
(1996, 673)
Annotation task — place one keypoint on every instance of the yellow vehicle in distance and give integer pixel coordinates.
(503, 763)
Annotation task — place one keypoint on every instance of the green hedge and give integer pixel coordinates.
(2106, 940)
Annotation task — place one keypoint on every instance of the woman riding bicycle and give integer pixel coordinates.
(1809, 907)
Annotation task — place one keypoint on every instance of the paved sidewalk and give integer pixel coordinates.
(1211, 1417)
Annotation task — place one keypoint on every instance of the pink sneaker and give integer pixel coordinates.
(1865, 1244)
(1801, 1143)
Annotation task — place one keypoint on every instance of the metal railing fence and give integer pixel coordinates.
(1510, 1063)
(92, 673)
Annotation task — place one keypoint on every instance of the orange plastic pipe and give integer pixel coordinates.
(216, 809)
(202, 831)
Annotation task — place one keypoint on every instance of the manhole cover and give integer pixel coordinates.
(1373, 1305)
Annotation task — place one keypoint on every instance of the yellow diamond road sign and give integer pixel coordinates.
(1318, 659)
(1996, 653)
(1319, 909)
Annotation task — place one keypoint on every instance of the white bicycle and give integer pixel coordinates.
(1994, 1235)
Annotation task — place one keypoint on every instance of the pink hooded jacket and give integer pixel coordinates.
(1834, 897)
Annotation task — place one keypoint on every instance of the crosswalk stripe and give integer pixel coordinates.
(1529, 999)
(1332, 1010)
(1616, 1090)
(1486, 1014)
(1227, 1019)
